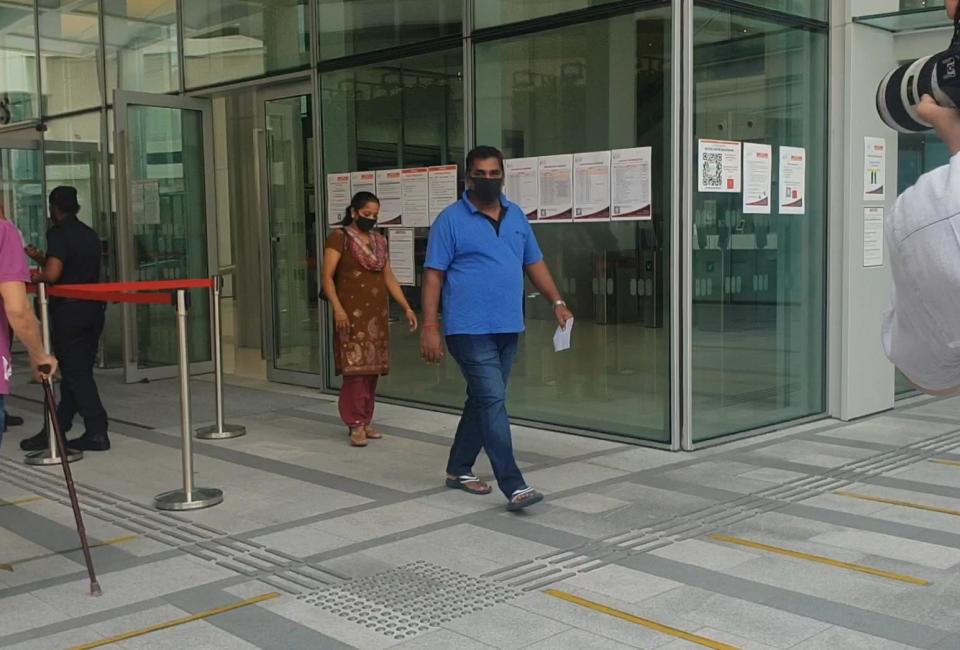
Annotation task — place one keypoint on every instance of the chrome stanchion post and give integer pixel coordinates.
(219, 431)
(190, 497)
(50, 455)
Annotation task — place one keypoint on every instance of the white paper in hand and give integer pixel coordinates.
(561, 338)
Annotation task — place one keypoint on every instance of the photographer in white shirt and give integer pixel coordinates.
(921, 332)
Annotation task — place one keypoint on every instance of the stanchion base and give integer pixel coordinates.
(213, 432)
(179, 500)
(46, 458)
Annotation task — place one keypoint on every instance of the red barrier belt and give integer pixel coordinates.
(156, 285)
(111, 296)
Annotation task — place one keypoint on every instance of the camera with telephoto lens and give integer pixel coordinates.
(937, 75)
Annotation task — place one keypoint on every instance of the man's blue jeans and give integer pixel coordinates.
(485, 361)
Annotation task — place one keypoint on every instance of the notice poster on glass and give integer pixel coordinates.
(338, 195)
(521, 185)
(591, 186)
(872, 237)
(719, 166)
(630, 183)
(556, 188)
(757, 177)
(145, 199)
(363, 182)
(414, 186)
(874, 168)
(390, 193)
(443, 189)
(793, 180)
(401, 256)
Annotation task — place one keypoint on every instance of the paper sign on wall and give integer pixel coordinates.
(630, 183)
(338, 195)
(390, 193)
(556, 187)
(443, 189)
(363, 182)
(414, 185)
(757, 177)
(522, 185)
(401, 256)
(874, 168)
(719, 166)
(793, 180)
(591, 186)
(872, 237)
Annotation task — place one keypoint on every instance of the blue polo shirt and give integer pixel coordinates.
(483, 285)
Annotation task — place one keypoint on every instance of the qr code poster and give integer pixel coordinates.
(719, 166)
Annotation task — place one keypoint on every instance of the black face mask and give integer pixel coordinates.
(365, 225)
(487, 189)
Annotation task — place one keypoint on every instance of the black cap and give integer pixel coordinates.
(65, 198)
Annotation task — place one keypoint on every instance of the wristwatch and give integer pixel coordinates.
(559, 303)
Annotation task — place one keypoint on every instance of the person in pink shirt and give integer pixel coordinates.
(16, 313)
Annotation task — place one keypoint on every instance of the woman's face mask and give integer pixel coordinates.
(366, 217)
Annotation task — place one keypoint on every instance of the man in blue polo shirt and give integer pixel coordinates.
(479, 249)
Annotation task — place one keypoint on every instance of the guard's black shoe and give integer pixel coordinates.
(89, 443)
(35, 443)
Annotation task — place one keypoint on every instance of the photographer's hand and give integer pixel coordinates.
(945, 120)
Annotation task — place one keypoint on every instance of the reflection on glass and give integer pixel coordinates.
(293, 235)
(356, 26)
(69, 55)
(592, 87)
(236, 39)
(169, 224)
(21, 193)
(18, 70)
(816, 9)
(499, 12)
(759, 297)
(141, 45)
(405, 114)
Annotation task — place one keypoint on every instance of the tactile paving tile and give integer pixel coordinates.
(411, 599)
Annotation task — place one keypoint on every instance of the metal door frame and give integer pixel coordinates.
(273, 93)
(122, 100)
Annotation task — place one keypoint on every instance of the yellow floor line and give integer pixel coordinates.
(819, 559)
(106, 542)
(898, 502)
(176, 622)
(952, 463)
(20, 502)
(630, 618)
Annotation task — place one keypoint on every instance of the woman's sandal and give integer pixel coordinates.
(372, 434)
(523, 498)
(358, 437)
(469, 483)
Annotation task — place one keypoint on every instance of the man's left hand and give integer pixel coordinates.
(563, 314)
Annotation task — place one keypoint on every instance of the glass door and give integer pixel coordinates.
(291, 256)
(166, 228)
(22, 198)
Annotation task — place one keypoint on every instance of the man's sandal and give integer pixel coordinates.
(523, 498)
(468, 483)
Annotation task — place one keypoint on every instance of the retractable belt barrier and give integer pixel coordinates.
(163, 292)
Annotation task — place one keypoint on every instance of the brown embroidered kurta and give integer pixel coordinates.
(363, 294)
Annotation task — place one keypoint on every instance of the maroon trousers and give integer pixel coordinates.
(357, 400)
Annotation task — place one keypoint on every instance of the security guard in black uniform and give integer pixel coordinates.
(73, 257)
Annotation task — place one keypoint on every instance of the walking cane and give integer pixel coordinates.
(71, 488)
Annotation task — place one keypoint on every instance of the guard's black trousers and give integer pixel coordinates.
(76, 327)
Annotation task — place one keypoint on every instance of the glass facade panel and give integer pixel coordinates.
(815, 9)
(356, 26)
(70, 55)
(21, 193)
(611, 80)
(236, 39)
(141, 45)
(758, 305)
(408, 113)
(489, 13)
(18, 63)
(166, 186)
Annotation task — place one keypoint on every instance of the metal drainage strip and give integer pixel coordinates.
(411, 599)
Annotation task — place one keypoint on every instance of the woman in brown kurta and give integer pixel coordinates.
(358, 282)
